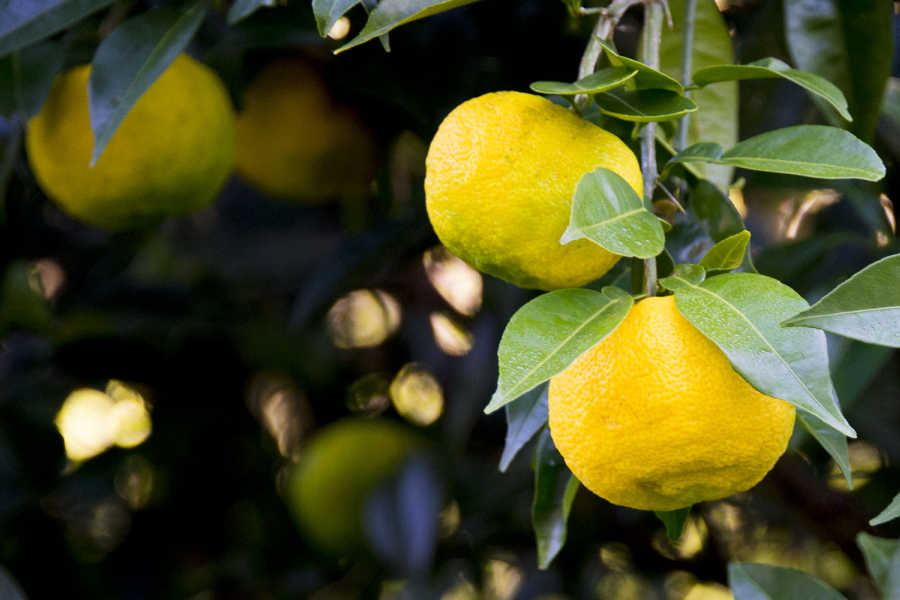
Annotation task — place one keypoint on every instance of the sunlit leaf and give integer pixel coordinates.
(546, 335)
(130, 60)
(607, 211)
(643, 106)
(750, 581)
(23, 23)
(741, 313)
(888, 514)
(26, 77)
(523, 419)
(834, 442)
(242, 9)
(554, 490)
(674, 520)
(866, 307)
(883, 562)
(727, 254)
(772, 68)
(647, 78)
(596, 82)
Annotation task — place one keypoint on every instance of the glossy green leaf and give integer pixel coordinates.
(703, 152)
(727, 254)
(750, 581)
(242, 9)
(684, 276)
(883, 562)
(26, 77)
(741, 313)
(554, 490)
(772, 68)
(596, 82)
(717, 119)
(888, 514)
(674, 520)
(607, 211)
(546, 335)
(130, 60)
(524, 418)
(866, 307)
(644, 106)
(24, 23)
(834, 442)
(647, 78)
(390, 14)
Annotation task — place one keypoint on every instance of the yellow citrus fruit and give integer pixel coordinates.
(500, 176)
(295, 143)
(170, 155)
(654, 417)
(327, 490)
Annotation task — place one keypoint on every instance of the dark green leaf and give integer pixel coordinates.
(546, 335)
(554, 490)
(22, 304)
(686, 275)
(750, 581)
(607, 211)
(888, 514)
(390, 14)
(727, 254)
(866, 307)
(596, 82)
(9, 587)
(647, 78)
(741, 313)
(834, 442)
(883, 562)
(674, 520)
(26, 77)
(242, 9)
(701, 152)
(23, 23)
(523, 419)
(643, 106)
(130, 60)
(772, 68)
(717, 215)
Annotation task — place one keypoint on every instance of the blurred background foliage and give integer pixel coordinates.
(159, 387)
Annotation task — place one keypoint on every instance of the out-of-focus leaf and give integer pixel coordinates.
(596, 82)
(834, 442)
(23, 23)
(643, 106)
(750, 581)
(554, 490)
(607, 211)
(546, 335)
(883, 562)
(727, 254)
(716, 121)
(674, 520)
(741, 313)
(21, 303)
(647, 78)
(26, 77)
(888, 514)
(523, 419)
(772, 68)
(242, 9)
(9, 587)
(130, 60)
(866, 307)
(390, 14)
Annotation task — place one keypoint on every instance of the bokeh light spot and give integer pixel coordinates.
(457, 283)
(865, 460)
(370, 395)
(450, 337)
(340, 29)
(283, 410)
(363, 318)
(417, 395)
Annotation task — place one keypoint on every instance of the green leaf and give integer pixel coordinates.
(242, 9)
(596, 82)
(546, 335)
(866, 307)
(24, 23)
(26, 77)
(703, 152)
(834, 442)
(554, 490)
(390, 14)
(643, 106)
(750, 581)
(607, 211)
(727, 254)
(772, 68)
(717, 215)
(883, 562)
(684, 276)
(647, 78)
(523, 419)
(130, 60)
(717, 119)
(674, 520)
(888, 514)
(741, 313)
(22, 305)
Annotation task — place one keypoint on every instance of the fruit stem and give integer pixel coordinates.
(650, 42)
(687, 56)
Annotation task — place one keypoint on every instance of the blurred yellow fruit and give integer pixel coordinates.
(295, 143)
(170, 155)
(500, 176)
(327, 490)
(654, 417)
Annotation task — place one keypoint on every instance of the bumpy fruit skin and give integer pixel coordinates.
(170, 155)
(295, 143)
(327, 490)
(500, 176)
(654, 417)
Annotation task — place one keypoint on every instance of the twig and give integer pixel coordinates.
(651, 39)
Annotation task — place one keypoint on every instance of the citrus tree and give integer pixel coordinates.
(684, 211)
